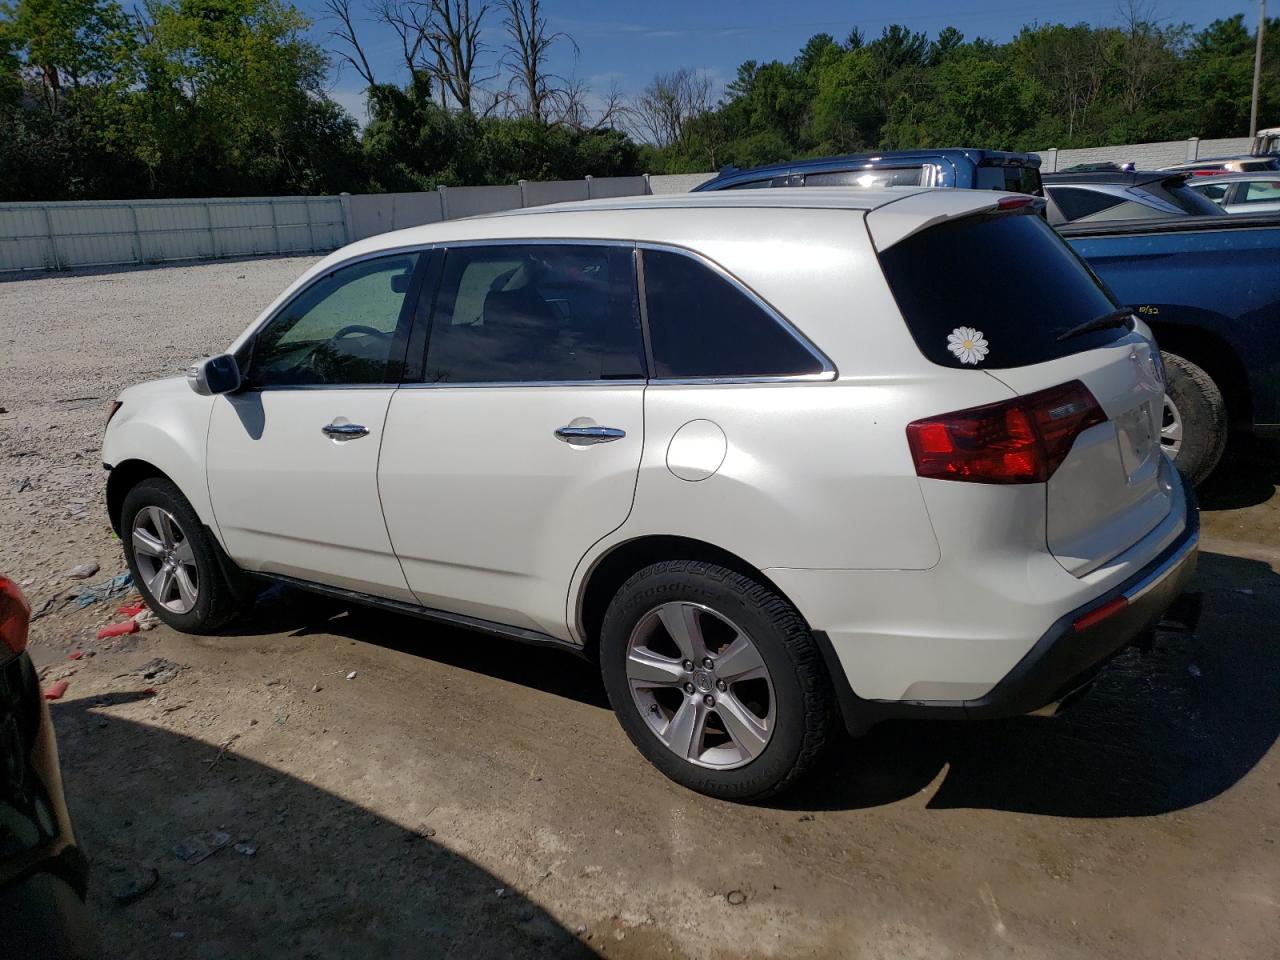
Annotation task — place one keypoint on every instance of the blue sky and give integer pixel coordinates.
(630, 42)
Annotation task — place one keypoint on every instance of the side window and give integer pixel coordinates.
(341, 330)
(1214, 191)
(523, 313)
(1261, 191)
(882, 177)
(1076, 203)
(702, 325)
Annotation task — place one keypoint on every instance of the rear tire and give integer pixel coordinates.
(1195, 427)
(758, 698)
(177, 566)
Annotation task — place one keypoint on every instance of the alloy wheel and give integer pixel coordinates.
(165, 559)
(701, 684)
(1171, 429)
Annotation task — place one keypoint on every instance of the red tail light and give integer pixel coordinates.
(15, 616)
(1023, 440)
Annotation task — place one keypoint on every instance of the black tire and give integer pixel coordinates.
(1203, 410)
(802, 693)
(222, 591)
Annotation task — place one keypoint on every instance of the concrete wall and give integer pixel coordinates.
(56, 236)
(1147, 156)
(74, 234)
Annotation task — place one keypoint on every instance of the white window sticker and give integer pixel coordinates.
(967, 344)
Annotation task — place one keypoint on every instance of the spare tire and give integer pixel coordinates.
(1194, 428)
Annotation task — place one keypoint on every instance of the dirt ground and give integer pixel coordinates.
(465, 796)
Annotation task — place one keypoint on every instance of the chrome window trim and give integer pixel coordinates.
(828, 371)
(474, 384)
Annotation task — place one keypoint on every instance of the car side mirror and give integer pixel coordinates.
(214, 375)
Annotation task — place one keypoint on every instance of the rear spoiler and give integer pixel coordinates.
(895, 221)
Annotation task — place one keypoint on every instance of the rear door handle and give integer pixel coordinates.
(586, 436)
(344, 431)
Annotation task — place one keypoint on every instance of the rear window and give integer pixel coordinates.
(1012, 178)
(995, 292)
(1177, 192)
(1077, 202)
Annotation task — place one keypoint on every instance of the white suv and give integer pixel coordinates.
(776, 458)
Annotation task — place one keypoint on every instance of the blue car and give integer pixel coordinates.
(960, 167)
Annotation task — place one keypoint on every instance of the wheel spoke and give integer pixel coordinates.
(744, 727)
(646, 668)
(164, 526)
(739, 661)
(184, 554)
(186, 587)
(681, 622)
(161, 584)
(146, 543)
(684, 733)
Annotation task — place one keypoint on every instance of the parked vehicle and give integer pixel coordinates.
(1120, 195)
(1245, 164)
(1241, 192)
(768, 456)
(966, 168)
(42, 870)
(1209, 289)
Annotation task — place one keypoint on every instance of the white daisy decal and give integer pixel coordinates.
(967, 344)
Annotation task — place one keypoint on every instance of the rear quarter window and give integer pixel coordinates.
(1009, 278)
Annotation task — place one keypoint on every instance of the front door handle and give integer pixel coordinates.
(586, 436)
(344, 431)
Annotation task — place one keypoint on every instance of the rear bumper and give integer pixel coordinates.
(1063, 659)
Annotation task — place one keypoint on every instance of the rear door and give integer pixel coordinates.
(1003, 294)
(519, 446)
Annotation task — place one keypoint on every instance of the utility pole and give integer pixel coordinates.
(1257, 68)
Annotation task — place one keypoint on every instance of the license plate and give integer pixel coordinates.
(1135, 431)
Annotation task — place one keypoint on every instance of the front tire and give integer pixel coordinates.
(1194, 427)
(716, 679)
(177, 566)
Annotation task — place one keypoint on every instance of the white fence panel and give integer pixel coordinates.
(539, 193)
(471, 201)
(599, 188)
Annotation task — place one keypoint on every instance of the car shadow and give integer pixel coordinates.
(317, 876)
(1159, 732)
(1248, 475)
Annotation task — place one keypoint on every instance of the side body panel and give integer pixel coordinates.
(164, 423)
(1223, 280)
(488, 509)
(291, 500)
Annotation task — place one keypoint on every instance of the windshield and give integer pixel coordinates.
(994, 292)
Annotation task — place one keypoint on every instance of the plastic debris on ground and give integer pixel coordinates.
(83, 571)
(118, 629)
(55, 690)
(201, 846)
(131, 609)
(146, 620)
(102, 591)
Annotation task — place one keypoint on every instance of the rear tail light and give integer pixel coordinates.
(1097, 615)
(15, 616)
(1014, 203)
(1023, 440)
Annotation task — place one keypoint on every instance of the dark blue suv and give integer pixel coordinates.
(961, 167)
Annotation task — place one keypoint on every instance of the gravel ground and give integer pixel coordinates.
(465, 796)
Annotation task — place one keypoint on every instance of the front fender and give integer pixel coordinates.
(164, 425)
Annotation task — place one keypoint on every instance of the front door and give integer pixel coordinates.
(520, 447)
(293, 458)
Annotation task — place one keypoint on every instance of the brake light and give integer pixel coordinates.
(1023, 440)
(1013, 203)
(15, 616)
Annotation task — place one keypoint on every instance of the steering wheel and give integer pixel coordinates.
(357, 328)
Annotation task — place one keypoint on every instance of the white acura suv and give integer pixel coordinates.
(776, 459)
